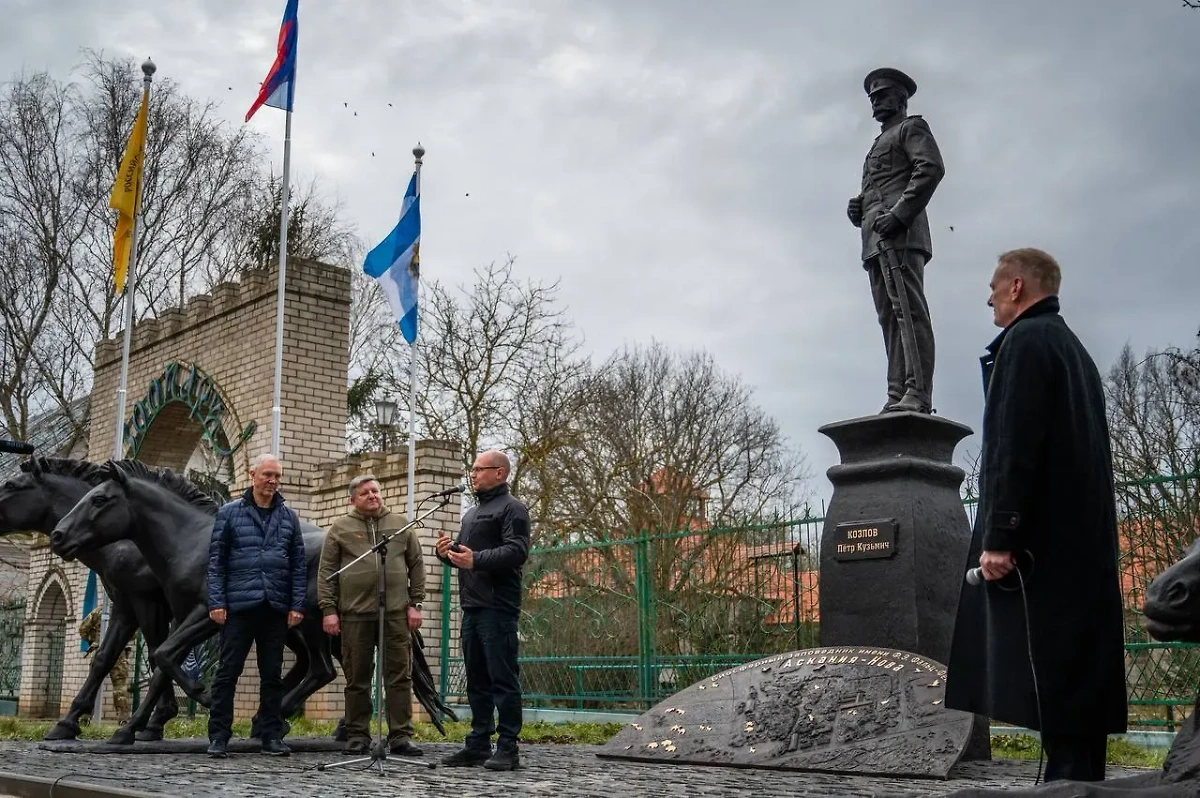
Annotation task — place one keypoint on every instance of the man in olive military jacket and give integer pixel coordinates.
(900, 174)
(350, 608)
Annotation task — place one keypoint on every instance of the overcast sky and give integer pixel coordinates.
(683, 166)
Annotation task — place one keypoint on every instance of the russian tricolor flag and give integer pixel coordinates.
(279, 87)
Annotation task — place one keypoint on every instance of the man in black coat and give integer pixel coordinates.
(257, 585)
(1047, 516)
(492, 545)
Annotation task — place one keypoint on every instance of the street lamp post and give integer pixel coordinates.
(385, 416)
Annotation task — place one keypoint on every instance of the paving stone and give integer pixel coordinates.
(548, 770)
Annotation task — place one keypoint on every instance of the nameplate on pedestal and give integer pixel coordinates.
(865, 540)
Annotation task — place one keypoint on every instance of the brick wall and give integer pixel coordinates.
(230, 334)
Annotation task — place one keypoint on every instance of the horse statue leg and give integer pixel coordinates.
(194, 629)
(121, 626)
(155, 622)
(320, 671)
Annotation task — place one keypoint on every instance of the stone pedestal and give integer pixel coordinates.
(903, 532)
(894, 546)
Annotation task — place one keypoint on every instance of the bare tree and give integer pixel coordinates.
(317, 229)
(1154, 421)
(60, 144)
(485, 349)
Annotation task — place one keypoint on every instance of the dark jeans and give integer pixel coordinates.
(489, 645)
(1079, 757)
(266, 629)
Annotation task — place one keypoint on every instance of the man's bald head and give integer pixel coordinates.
(491, 469)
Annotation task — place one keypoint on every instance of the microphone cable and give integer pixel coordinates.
(1037, 697)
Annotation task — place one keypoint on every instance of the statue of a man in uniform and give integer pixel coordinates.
(900, 174)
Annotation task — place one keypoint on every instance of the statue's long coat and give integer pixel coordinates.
(1046, 488)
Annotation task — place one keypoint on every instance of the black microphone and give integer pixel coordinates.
(449, 491)
(974, 576)
(16, 447)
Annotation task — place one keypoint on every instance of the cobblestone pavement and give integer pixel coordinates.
(547, 770)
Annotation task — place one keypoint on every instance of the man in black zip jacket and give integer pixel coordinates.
(492, 545)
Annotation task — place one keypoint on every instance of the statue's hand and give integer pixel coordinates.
(886, 224)
(854, 211)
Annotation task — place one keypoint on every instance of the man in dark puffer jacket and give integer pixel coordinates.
(257, 580)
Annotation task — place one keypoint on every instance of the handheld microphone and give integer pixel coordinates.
(16, 447)
(1022, 568)
(449, 491)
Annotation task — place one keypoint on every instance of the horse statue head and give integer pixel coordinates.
(1172, 606)
(101, 517)
(43, 492)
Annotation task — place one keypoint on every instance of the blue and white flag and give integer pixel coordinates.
(395, 263)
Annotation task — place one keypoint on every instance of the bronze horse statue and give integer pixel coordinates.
(35, 501)
(1172, 613)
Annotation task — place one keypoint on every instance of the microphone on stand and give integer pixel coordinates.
(449, 491)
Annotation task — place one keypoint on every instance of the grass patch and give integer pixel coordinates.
(1120, 752)
(12, 728)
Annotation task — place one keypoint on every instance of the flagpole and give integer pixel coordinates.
(148, 70)
(277, 404)
(418, 155)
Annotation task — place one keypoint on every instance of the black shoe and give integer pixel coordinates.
(467, 758)
(355, 747)
(218, 749)
(405, 748)
(504, 759)
(275, 748)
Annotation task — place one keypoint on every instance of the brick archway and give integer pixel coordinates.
(44, 647)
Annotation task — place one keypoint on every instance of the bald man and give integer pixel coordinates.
(492, 545)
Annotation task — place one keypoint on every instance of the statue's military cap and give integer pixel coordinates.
(887, 77)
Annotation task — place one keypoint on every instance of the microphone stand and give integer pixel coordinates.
(379, 749)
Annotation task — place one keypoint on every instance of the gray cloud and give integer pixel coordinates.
(684, 167)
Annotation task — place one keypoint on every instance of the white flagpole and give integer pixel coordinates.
(418, 154)
(277, 404)
(148, 69)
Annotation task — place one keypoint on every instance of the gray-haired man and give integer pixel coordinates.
(350, 605)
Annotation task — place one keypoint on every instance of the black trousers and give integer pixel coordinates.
(266, 629)
(901, 377)
(489, 645)
(1078, 757)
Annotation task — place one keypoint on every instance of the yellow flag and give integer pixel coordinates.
(125, 194)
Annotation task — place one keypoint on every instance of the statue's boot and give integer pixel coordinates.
(912, 402)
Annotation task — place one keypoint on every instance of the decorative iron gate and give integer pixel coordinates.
(12, 635)
(56, 637)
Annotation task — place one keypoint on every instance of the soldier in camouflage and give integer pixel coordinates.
(900, 174)
(89, 631)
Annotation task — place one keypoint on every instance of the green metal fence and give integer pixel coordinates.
(12, 628)
(622, 625)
